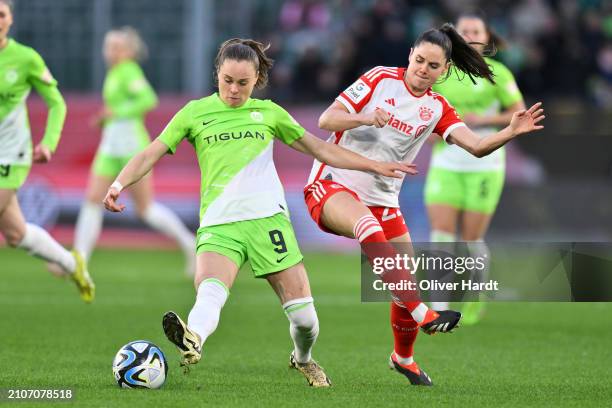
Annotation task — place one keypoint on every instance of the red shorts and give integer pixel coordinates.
(316, 195)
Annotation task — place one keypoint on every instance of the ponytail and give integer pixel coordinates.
(239, 49)
(464, 57)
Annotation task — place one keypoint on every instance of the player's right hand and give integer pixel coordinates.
(378, 118)
(392, 169)
(110, 201)
(41, 154)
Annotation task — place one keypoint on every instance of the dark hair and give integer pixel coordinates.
(239, 49)
(457, 51)
(9, 4)
(496, 42)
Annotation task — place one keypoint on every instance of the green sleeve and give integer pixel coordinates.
(286, 128)
(507, 90)
(177, 129)
(141, 96)
(46, 86)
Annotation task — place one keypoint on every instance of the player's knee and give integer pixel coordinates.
(302, 314)
(440, 235)
(13, 236)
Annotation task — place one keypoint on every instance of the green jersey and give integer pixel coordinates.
(234, 148)
(484, 99)
(128, 95)
(22, 68)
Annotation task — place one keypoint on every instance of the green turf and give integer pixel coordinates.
(520, 355)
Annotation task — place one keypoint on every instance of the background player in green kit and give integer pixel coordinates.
(459, 186)
(21, 68)
(243, 213)
(127, 98)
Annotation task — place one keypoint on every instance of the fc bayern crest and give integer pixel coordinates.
(425, 113)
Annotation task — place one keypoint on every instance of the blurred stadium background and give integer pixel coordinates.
(559, 181)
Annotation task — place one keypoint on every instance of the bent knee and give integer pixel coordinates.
(14, 236)
(302, 314)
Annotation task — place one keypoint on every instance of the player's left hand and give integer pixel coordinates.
(393, 169)
(110, 201)
(41, 154)
(525, 121)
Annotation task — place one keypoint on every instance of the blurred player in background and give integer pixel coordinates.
(387, 114)
(243, 213)
(22, 68)
(128, 96)
(461, 188)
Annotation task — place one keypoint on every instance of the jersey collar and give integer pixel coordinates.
(244, 105)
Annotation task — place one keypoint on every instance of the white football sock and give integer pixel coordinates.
(404, 360)
(437, 306)
(40, 244)
(164, 220)
(204, 316)
(88, 228)
(303, 327)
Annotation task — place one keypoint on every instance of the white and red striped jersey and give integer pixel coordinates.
(413, 119)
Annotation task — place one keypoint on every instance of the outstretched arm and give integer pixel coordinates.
(523, 121)
(136, 169)
(340, 157)
(337, 118)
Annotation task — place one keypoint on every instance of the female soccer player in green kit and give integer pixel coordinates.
(243, 213)
(459, 186)
(127, 98)
(22, 68)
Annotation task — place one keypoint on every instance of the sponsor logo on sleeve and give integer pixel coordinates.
(357, 91)
(46, 76)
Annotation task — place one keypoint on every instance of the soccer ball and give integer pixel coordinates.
(140, 364)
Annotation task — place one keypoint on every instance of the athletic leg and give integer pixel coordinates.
(90, 219)
(345, 215)
(293, 289)
(215, 275)
(40, 244)
(443, 220)
(483, 192)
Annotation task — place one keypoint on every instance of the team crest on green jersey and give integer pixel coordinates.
(11, 76)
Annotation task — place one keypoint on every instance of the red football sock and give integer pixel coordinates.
(405, 331)
(368, 231)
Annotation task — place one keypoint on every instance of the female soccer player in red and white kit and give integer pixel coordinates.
(387, 114)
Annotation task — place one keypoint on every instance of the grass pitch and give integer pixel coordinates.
(546, 354)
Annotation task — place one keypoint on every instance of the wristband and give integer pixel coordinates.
(117, 185)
